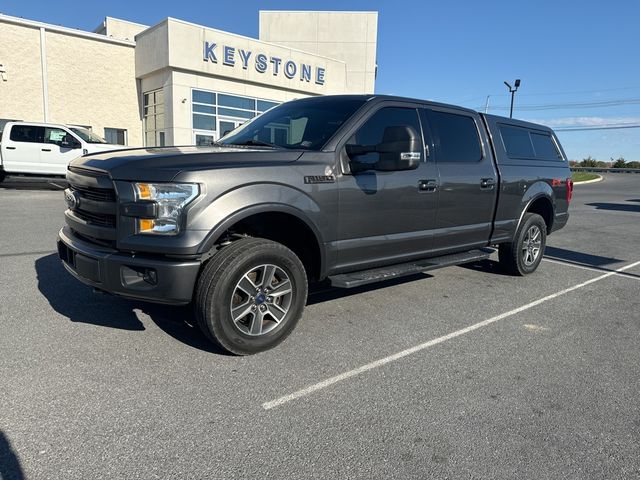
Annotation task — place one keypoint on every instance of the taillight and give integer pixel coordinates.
(569, 190)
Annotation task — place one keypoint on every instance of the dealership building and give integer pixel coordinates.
(178, 83)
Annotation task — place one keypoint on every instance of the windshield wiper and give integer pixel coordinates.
(257, 143)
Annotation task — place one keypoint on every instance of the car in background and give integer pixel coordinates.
(29, 148)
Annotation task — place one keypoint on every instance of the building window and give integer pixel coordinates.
(214, 114)
(154, 119)
(204, 140)
(115, 136)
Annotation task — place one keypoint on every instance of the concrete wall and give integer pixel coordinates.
(97, 78)
(21, 94)
(93, 83)
(180, 45)
(121, 29)
(90, 79)
(348, 36)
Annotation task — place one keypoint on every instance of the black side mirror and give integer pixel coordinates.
(69, 142)
(400, 149)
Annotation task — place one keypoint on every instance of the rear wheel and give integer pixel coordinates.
(524, 254)
(250, 295)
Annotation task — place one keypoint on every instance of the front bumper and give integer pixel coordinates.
(143, 277)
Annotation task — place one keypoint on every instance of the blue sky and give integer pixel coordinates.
(579, 61)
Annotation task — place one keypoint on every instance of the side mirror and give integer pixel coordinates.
(400, 149)
(69, 142)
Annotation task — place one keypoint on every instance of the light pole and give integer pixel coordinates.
(513, 91)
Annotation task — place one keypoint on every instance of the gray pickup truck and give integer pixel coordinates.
(348, 189)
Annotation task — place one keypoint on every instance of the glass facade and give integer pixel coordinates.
(214, 113)
(154, 119)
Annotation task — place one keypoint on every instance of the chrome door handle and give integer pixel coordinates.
(429, 185)
(487, 183)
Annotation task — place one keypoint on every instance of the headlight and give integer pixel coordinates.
(171, 199)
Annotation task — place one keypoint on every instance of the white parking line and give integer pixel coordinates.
(409, 351)
(592, 269)
(568, 264)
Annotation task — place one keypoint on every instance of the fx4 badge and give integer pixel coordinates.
(319, 179)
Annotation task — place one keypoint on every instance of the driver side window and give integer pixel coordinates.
(380, 126)
(54, 135)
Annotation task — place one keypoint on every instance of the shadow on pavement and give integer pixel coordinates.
(79, 303)
(487, 266)
(618, 207)
(579, 258)
(26, 183)
(10, 468)
(324, 292)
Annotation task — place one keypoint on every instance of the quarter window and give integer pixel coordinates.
(456, 137)
(516, 141)
(545, 147)
(521, 142)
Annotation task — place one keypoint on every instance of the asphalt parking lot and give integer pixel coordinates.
(463, 373)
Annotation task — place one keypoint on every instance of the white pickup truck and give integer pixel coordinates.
(45, 149)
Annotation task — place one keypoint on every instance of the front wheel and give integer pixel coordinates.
(250, 295)
(524, 254)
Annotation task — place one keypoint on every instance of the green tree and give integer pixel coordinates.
(589, 162)
(633, 165)
(619, 163)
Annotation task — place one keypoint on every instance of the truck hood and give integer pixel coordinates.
(164, 163)
(103, 147)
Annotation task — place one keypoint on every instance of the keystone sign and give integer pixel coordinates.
(261, 62)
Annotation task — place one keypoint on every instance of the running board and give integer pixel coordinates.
(364, 277)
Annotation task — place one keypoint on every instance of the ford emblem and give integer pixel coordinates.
(72, 200)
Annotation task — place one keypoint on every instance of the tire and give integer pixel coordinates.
(524, 254)
(235, 317)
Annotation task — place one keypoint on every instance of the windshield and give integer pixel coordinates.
(87, 135)
(307, 124)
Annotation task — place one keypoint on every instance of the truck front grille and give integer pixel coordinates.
(99, 194)
(100, 219)
(95, 216)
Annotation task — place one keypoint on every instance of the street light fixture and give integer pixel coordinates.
(513, 91)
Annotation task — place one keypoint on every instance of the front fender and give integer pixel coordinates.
(242, 202)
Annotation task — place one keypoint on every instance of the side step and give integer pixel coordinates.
(364, 277)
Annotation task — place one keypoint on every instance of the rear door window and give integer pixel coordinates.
(456, 137)
(27, 134)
